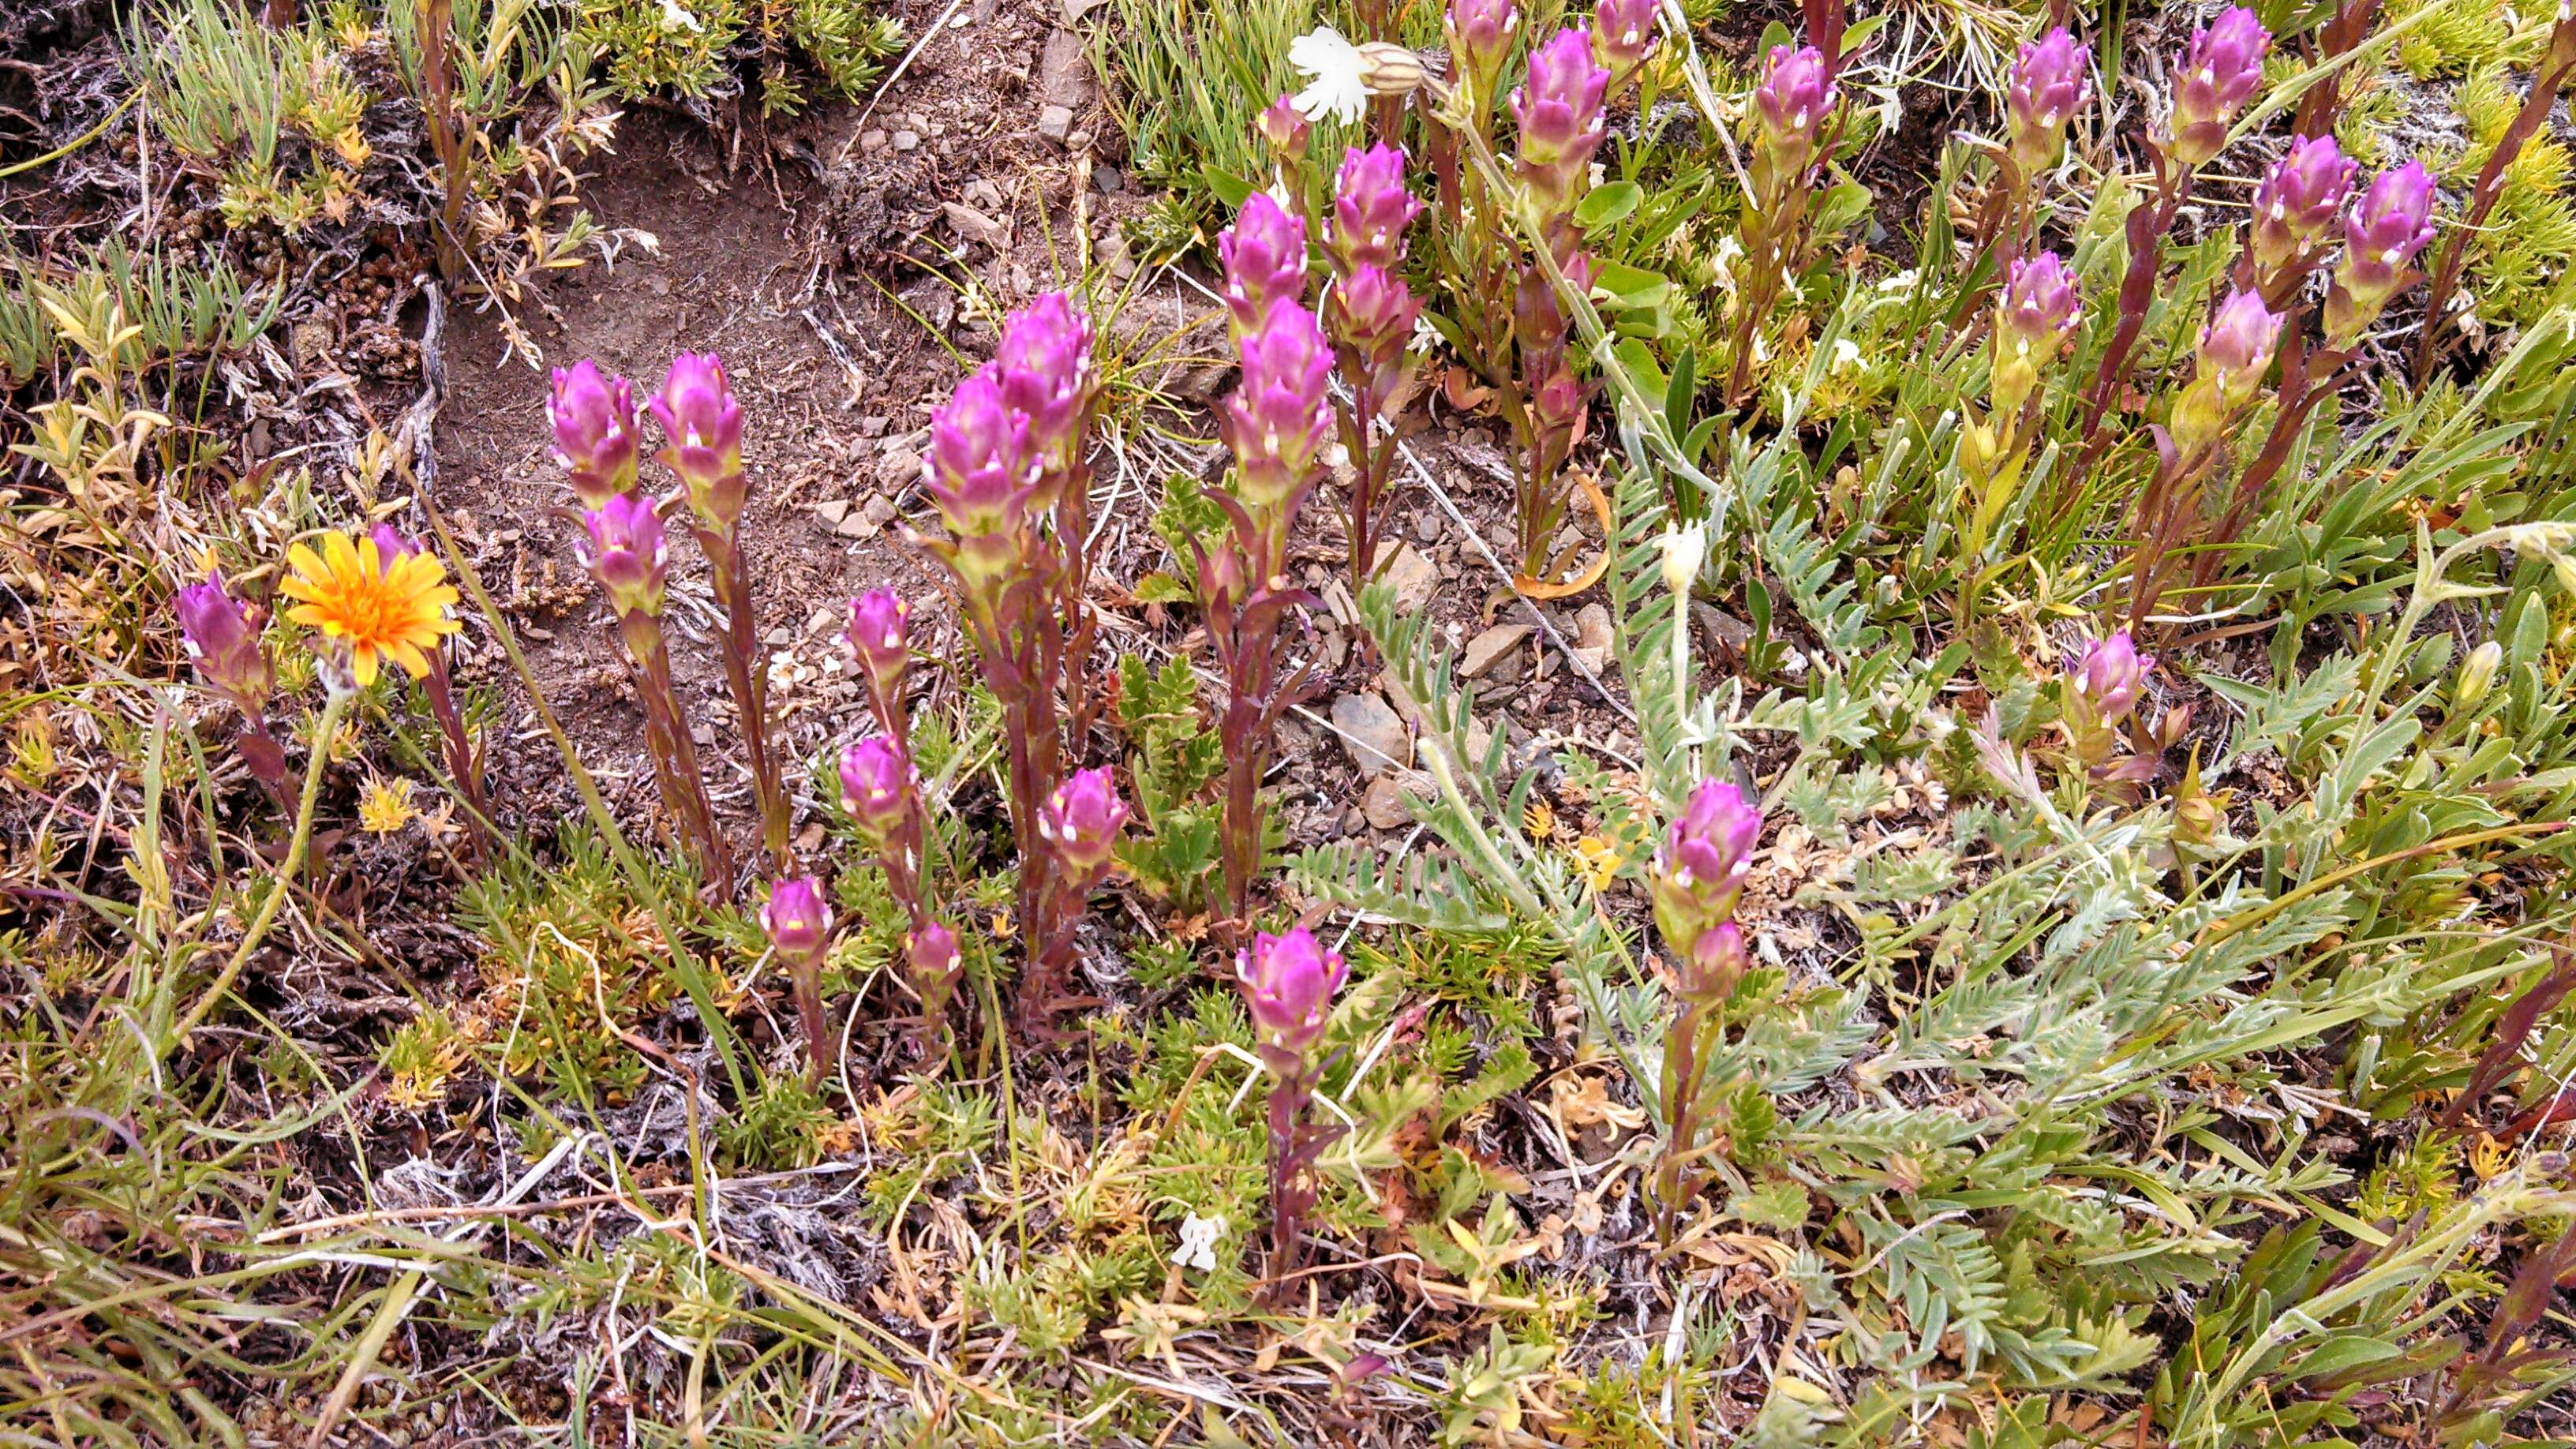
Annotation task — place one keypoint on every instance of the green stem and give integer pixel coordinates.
(333, 710)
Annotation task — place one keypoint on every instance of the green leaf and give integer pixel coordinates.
(1229, 188)
(1608, 205)
(1162, 588)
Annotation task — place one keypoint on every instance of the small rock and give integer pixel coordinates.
(869, 520)
(1354, 820)
(907, 140)
(1064, 74)
(983, 193)
(1490, 646)
(779, 638)
(833, 509)
(1055, 123)
(1106, 180)
(873, 425)
(1723, 630)
(975, 226)
(1384, 804)
(1592, 637)
(1373, 733)
(1411, 576)
(874, 139)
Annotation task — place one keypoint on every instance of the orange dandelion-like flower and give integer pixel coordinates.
(382, 608)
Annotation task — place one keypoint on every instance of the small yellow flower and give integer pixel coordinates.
(2487, 1157)
(1540, 820)
(384, 805)
(1597, 860)
(385, 610)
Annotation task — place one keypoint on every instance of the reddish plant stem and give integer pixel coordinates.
(675, 753)
(2350, 26)
(2146, 223)
(747, 679)
(438, 111)
(464, 762)
(2557, 64)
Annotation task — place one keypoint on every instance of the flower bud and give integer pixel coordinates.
(1045, 369)
(2297, 200)
(1622, 32)
(1701, 870)
(1264, 254)
(1792, 104)
(797, 922)
(1388, 69)
(880, 635)
(2112, 675)
(981, 477)
(595, 431)
(627, 553)
(1371, 208)
(2037, 310)
(931, 952)
(877, 784)
(1082, 820)
(1288, 984)
(392, 543)
(2221, 68)
(1284, 131)
(704, 427)
(1713, 964)
(1480, 37)
(2477, 675)
(1277, 421)
(1559, 113)
(2236, 347)
(222, 638)
(2385, 229)
(1373, 313)
(2047, 86)
(1684, 550)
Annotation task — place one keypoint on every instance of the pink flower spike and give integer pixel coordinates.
(2215, 76)
(222, 637)
(881, 636)
(703, 426)
(2048, 84)
(1264, 254)
(1622, 32)
(1371, 208)
(1707, 855)
(2298, 198)
(877, 783)
(1083, 820)
(595, 431)
(1288, 984)
(1795, 99)
(1559, 114)
(1284, 129)
(2112, 675)
(1044, 365)
(797, 922)
(1277, 421)
(627, 552)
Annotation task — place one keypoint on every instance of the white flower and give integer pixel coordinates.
(1341, 77)
(1902, 282)
(1198, 1242)
(675, 17)
(1684, 549)
(1846, 355)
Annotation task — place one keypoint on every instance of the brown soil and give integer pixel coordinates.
(830, 265)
